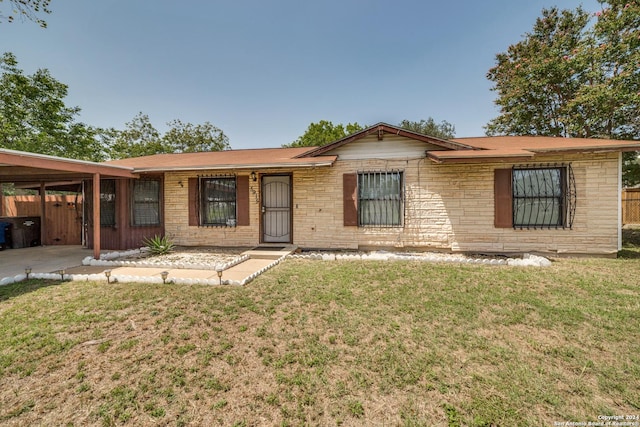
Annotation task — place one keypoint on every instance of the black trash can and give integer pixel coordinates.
(5, 235)
(25, 231)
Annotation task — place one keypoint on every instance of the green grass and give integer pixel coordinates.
(329, 343)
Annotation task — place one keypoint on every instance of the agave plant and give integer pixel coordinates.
(159, 245)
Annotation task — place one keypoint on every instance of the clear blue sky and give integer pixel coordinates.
(262, 71)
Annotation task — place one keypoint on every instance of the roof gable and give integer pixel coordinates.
(382, 129)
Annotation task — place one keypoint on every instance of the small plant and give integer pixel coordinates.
(356, 408)
(159, 245)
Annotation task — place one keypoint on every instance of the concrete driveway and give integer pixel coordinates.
(42, 259)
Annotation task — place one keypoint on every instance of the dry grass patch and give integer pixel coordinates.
(328, 343)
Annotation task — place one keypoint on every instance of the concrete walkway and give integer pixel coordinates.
(41, 259)
(237, 273)
(50, 259)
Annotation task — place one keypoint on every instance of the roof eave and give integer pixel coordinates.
(592, 150)
(237, 166)
(43, 161)
(476, 160)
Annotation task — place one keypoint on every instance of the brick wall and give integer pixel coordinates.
(447, 207)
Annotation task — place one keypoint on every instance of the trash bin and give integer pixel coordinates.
(5, 235)
(24, 231)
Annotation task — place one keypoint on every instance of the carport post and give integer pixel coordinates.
(96, 215)
(43, 213)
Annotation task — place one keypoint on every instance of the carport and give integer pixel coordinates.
(38, 170)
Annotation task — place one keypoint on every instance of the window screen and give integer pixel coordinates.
(218, 197)
(146, 202)
(539, 197)
(380, 201)
(107, 202)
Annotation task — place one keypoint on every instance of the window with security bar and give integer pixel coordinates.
(543, 197)
(218, 201)
(146, 202)
(380, 199)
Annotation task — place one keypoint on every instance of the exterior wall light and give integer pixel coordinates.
(253, 176)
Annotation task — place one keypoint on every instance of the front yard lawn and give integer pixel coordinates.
(329, 343)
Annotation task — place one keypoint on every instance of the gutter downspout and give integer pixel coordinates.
(619, 201)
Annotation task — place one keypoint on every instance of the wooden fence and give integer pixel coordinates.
(63, 222)
(631, 206)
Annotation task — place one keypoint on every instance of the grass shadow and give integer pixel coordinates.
(629, 253)
(630, 243)
(20, 288)
(631, 237)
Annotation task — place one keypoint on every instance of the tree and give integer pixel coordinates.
(324, 132)
(442, 130)
(534, 80)
(574, 78)
(26, 9)
(34, 117)
(189, 138)
(141, 138)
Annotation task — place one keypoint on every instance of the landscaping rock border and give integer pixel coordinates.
(528, 260)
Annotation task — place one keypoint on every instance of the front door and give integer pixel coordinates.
(276, 209)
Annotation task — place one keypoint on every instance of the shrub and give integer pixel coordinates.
(159, 245)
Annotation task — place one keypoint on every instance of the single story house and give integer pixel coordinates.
(381, 188)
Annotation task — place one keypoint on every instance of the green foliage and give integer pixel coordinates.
(189, 138)
(26, 9)
(141, 138)
(323, 133)
(453, 418)
(573, 77)
(159, 245)
(34, 117)
(630, 169)
(442, 130)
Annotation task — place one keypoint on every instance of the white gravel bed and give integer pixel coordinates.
(182, 257)
(528, 260)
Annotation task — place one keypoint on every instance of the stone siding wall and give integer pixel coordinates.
(447, 207)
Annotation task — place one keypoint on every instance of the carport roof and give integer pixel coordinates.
(30, 168)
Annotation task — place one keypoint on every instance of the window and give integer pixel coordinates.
(146, 202)
(107, 202)
(535, 197)
(218, 201)
(538, 197)
(380, 201)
